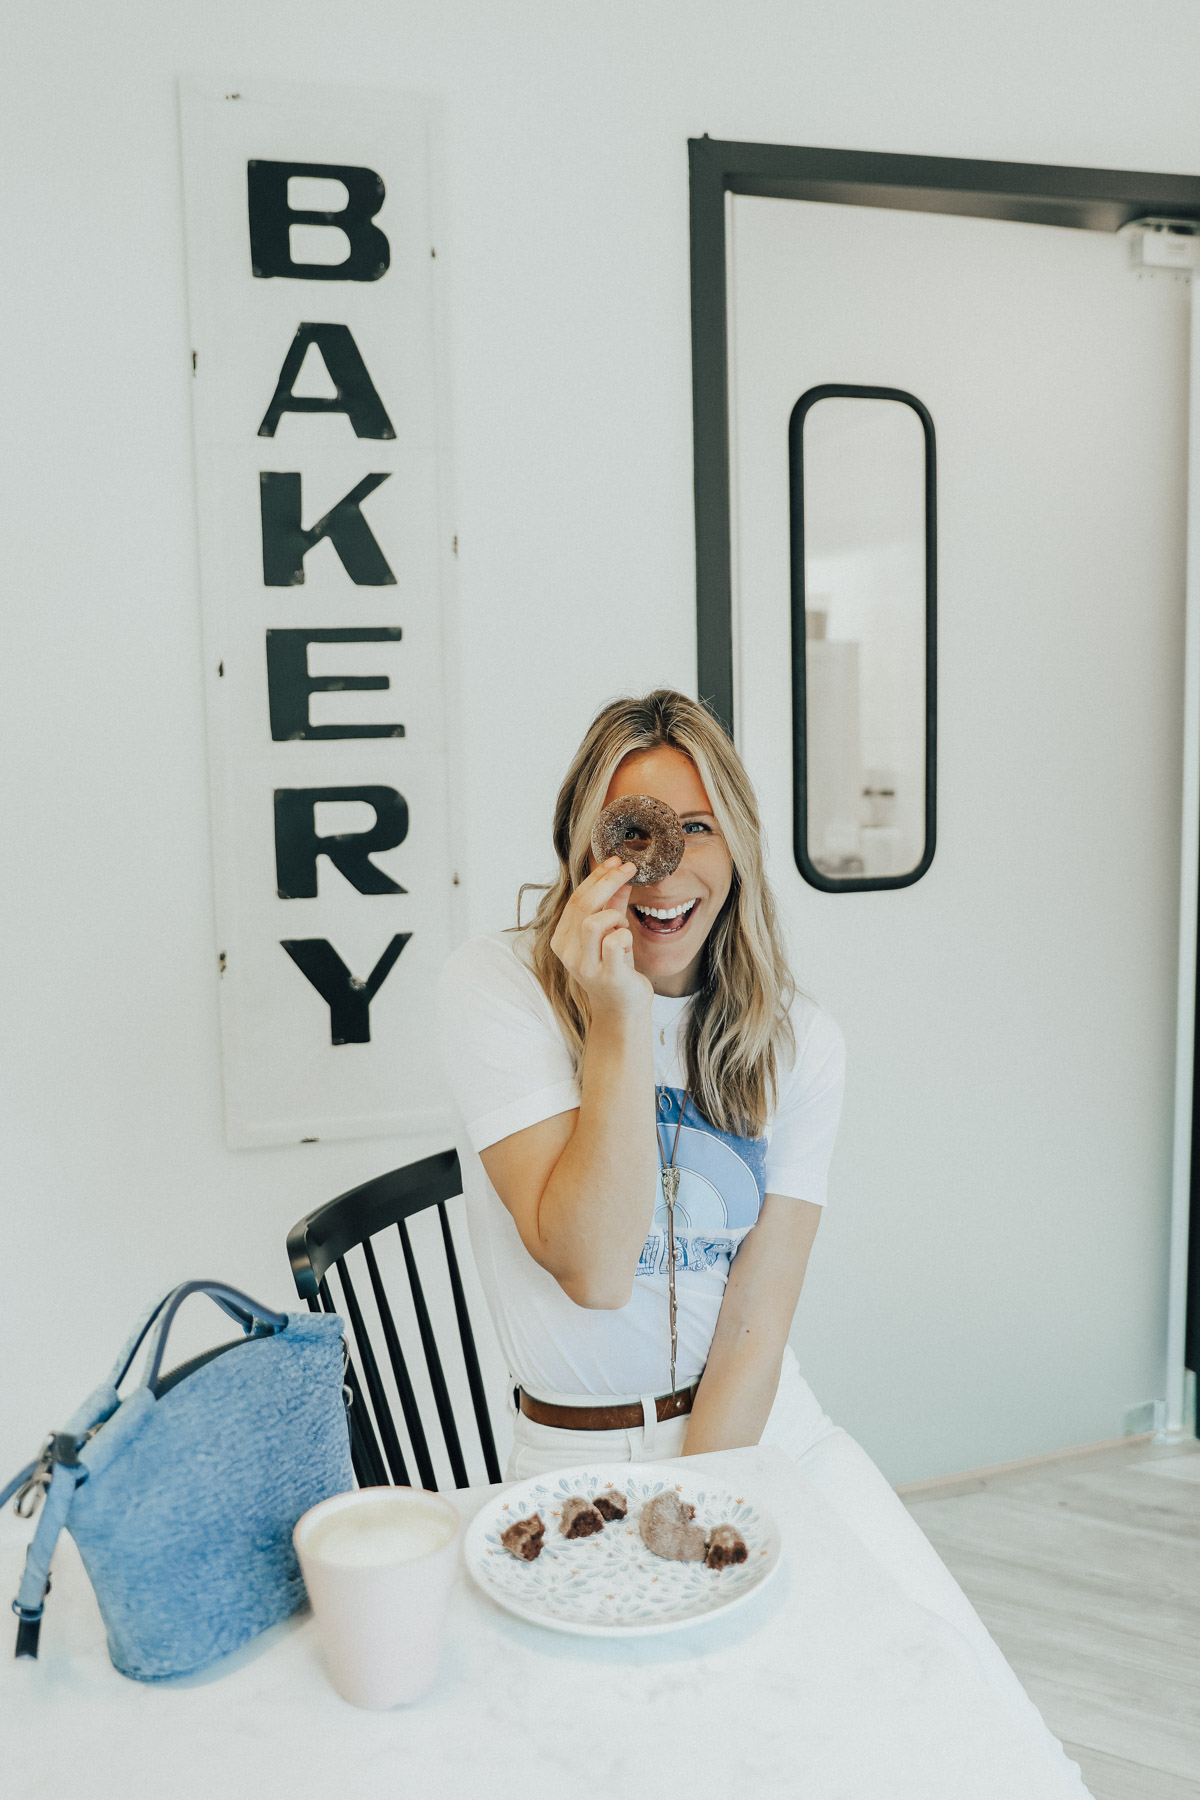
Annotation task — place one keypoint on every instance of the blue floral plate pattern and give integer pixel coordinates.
(610, 1585)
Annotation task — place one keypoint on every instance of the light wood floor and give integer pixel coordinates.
(1087, 1572)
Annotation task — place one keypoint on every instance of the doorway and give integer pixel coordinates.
(998, 1242)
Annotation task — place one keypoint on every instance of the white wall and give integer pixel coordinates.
(568, 190)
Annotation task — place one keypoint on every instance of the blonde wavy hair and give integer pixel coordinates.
(739, 1021)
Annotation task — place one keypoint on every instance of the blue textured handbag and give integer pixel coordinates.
(182, 1496)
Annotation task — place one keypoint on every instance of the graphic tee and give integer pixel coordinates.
(509, 1067)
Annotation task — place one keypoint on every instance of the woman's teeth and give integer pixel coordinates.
(664, 912)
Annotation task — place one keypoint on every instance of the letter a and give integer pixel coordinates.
(356, 393)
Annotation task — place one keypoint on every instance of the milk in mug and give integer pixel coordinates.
(379, 1533)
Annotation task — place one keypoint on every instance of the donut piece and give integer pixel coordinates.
(580, 1518)
(523, 1539)
(725, 1545)
(666, 1529)
(611, 1504)
(643, 831)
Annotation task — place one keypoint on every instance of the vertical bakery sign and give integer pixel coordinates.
(326, 547)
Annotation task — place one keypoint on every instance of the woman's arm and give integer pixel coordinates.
(738, 1386)
(581, 1186)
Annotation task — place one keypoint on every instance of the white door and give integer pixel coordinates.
(990, 1280)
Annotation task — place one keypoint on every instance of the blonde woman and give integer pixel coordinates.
(623, 1031)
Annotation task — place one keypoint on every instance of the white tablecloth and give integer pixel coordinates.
(829, 1684)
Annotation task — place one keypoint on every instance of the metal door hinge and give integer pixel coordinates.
(1162, 243)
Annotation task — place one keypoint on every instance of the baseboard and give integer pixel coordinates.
(909, 1490)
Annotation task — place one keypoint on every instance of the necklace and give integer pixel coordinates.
(670, 1185)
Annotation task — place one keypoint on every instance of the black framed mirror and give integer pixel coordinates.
(864, 595)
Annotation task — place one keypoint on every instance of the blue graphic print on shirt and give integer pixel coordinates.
(721, 1190)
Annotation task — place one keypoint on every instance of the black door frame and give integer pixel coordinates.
(1029, 193)
(1032, 193)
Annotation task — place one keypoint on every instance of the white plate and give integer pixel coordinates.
(610, 1585)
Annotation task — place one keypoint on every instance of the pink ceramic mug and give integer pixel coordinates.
(378, 1565)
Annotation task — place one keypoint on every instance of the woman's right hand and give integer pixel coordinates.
(594, 943)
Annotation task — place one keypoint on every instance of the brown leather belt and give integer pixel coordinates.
(606, 1418)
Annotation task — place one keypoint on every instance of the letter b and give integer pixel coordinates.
(271, 219)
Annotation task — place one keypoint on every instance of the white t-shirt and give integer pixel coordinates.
(509, 1067)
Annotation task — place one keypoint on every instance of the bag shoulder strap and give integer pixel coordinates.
(35, 1581)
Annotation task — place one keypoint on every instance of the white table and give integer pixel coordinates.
(828, 1684)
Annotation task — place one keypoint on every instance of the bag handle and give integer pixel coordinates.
(248, 1313)
(59, 1471)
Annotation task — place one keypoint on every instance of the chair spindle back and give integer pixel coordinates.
(320, 1245)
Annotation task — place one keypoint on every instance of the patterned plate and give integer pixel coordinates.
(610, 1585)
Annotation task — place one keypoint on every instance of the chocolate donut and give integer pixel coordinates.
(642, 831)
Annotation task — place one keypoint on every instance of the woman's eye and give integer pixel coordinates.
(694, 825)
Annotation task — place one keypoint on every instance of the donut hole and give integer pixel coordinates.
(635, 844)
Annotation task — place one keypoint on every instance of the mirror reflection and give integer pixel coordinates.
(862, 492)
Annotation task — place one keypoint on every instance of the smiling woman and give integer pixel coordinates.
(647, 1113)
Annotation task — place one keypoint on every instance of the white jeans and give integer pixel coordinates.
(844, 1474)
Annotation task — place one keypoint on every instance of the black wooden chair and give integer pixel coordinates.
(320, 1245)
